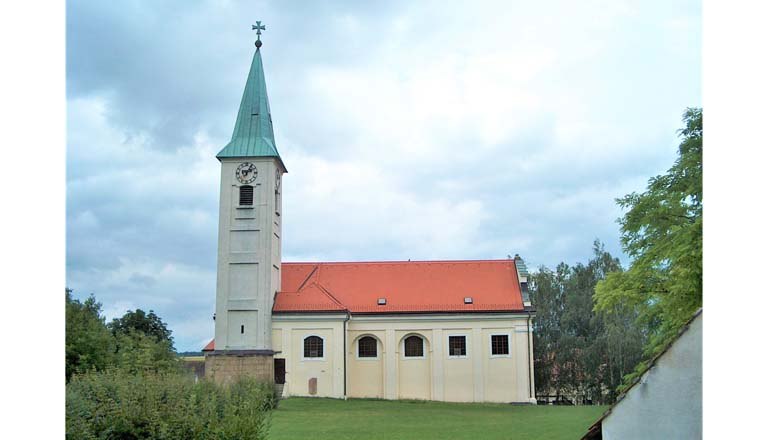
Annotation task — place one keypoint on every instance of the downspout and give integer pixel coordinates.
(344, 338)
(530, 355)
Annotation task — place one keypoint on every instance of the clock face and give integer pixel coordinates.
(246, 172)
(278, 180)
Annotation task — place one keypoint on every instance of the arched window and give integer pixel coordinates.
(367, 347)
(413, 346)
(246, 195)
(312, 347)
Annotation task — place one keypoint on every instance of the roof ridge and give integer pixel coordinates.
(317, 263)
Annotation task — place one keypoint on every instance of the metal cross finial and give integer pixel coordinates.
(258, 27)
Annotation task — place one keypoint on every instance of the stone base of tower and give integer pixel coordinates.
(226, 366)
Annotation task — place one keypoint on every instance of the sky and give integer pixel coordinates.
(410, 130)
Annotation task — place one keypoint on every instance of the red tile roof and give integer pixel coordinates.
(408, 287)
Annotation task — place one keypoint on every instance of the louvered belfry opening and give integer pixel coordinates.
(246, 195)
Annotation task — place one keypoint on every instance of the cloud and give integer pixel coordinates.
(410, 130)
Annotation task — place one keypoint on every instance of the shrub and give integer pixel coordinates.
(115, 404)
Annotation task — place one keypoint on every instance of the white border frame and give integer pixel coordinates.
(403, 347)
(357, 347)
(509, 345)
(468, 344)
(303, 349)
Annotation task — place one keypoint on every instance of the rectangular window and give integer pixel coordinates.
(499, 345)
(457, 346)
(276, 202)
(246, 196)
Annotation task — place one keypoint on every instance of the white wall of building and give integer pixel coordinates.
(667, 402)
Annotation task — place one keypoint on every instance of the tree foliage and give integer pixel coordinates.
(89, 345)
(140, 322)
(137, 342)
(115, 404)
(578, 351)
(139, 352)
(662, 233)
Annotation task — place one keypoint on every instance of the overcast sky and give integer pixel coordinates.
(411, 130)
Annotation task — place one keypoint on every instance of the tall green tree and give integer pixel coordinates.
(89, 345)
(580, 352)
(144, 342)
(136, 342)
(662, 233)
(139, 321)
(547, 290)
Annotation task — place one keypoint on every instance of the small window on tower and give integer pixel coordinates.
(246, 195)
(276, 202)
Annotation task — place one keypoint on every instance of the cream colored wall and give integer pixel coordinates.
(414, 374)
(365, 375)
(458, 372)
(477, 377)
(288, 335)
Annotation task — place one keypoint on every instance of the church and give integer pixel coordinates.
(456, 330)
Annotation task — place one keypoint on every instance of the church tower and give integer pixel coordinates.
(249, 242)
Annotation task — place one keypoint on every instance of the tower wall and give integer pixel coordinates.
(248, 272)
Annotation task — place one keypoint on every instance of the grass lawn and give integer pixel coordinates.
(326, 419)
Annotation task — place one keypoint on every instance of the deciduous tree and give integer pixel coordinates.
(662, 233)
(139, 321)
(88, 343)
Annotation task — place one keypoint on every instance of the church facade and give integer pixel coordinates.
(456, 330)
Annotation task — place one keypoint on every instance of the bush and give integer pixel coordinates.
(115, 404)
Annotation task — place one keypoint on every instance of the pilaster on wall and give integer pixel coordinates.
(479, 377)
(437, 384)
(391, 363)
(523, 341)
(338, 362)
(224, 368)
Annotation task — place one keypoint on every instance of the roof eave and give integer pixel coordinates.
(221, 156)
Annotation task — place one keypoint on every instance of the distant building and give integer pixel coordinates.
(666, 402)
(439, 330)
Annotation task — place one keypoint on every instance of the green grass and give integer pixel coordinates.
(325, 419)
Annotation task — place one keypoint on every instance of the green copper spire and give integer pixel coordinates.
(253, 135)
